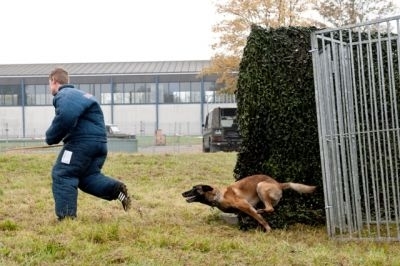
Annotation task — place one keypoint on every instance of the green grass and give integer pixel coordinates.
(170, 232)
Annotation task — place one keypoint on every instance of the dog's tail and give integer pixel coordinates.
(298, 187)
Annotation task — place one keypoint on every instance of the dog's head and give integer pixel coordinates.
(199, 193)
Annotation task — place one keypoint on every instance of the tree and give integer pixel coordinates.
(346, 12)
(238, 16)
(233, 29)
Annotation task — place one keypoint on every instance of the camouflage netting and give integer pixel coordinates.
(278, 121)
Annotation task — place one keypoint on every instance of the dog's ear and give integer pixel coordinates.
(207, 188)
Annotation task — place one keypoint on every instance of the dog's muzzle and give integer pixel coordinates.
(189, 196)
(191, 199)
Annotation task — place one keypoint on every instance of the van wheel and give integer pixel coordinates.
(213, 148)
(205, 149)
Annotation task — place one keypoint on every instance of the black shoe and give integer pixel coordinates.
(123, 197)
(67, 217)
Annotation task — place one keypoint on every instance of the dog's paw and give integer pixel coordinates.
(267, 210)
(264, 229)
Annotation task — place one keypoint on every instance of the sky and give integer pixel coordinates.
(77, 31)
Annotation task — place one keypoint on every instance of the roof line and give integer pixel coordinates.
(104, 74)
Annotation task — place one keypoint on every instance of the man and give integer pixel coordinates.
(79, 123)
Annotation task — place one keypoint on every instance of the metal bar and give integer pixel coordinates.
(353, 137)
(361, 121)
(356, 82)
(34, 147)
(373, 22)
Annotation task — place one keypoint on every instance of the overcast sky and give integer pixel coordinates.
(51, 31)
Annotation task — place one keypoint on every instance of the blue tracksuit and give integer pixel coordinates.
(79, 123)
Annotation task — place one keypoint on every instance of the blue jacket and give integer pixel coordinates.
(78, 117)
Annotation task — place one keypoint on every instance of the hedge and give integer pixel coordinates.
(278, 121)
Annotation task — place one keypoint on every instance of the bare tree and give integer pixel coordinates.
(345, 12)
(233, 29)
(237, 16)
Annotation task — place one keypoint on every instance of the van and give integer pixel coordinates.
(220, 130)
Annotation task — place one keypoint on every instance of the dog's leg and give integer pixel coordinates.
(250, 210)
(270, 195)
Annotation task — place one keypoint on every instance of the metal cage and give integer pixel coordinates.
(357, 81)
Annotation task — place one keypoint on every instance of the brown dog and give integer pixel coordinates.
(243, 195)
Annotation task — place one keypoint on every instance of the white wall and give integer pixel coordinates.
(10, 122)
(134, 119)
(37, 120)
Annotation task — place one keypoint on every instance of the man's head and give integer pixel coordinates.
(57, 77)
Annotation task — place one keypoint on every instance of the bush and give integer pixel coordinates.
(278, 120)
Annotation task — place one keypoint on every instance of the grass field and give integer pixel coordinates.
(170, 232)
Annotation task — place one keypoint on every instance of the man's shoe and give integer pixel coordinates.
(67, 217)
(123, 196)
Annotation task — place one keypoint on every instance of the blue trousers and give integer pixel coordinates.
(79, 166)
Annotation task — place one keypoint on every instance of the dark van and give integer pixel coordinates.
(220, 130)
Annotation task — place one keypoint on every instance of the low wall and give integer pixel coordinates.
(32, 145)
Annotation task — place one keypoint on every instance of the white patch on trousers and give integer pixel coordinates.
(66, 158)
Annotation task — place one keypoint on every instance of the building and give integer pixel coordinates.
(140, 97)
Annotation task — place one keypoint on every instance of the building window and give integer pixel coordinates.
(129, 89)
(38, 95)
(162, 87)
(166, 94)
(8, 99)
(213, 94)
(124, 93)
(188, 92)
(85, 87)
(209, 92)
(89, 88)
(144, 93)
(195, 96)
(43, 95)
(10, 95)
(104, 91)
(140, 93)
(30, 95)
(184, 92)
(152, 92)
(172, 92)
(101, 91)
(118, 93)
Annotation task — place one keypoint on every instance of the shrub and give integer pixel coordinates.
(278, 120)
